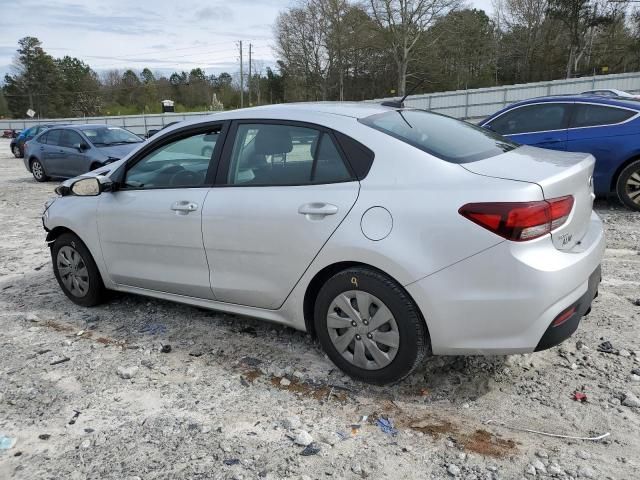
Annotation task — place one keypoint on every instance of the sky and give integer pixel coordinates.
(164, 35)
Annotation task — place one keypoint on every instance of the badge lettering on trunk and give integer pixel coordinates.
(565, 238)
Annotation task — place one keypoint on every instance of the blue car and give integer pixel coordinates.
(608, 128)
(17, 143)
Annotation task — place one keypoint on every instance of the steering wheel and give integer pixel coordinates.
(185, 178)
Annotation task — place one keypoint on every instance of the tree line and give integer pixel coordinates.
(68, 87)
(355, 50)
(338, 49)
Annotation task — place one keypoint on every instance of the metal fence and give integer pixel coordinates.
(482, 102)
(139, 124)
(468, 104)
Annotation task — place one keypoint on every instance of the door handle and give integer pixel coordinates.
(184, 207)
(317, 209)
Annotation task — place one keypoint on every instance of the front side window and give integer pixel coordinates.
(586, 115)
(182, 163)
(70, 138)
(269, 154)
(532, 118)
(444, 137)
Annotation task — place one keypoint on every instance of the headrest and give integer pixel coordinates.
(273, 139)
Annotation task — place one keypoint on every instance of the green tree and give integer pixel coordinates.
(36, 83)
(81, 87)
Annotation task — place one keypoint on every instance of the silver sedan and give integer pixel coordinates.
(389, 233)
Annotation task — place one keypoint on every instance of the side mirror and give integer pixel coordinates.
(81, 147)
(90, 187)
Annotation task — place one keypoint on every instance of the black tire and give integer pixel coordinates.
(628, 185)
(413, 343)
(95, 293)
(17, 152)
(38, 171)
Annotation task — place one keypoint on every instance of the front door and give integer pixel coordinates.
(151, 228)
(282, 191)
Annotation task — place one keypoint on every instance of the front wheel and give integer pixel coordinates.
(76, 271)
(38, 171)
(370, 327)
(628, 185)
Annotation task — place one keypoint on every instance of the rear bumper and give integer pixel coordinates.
(555, 335)
(503, 300)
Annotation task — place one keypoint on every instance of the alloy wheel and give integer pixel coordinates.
(16, 151)
(37, 170)
(73, 271)
(363, 330)
(632, 187)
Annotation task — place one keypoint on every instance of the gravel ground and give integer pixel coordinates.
(236, 398)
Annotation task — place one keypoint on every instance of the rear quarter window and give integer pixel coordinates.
(444, 137)
(587, 115)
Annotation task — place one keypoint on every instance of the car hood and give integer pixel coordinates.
(118, 151)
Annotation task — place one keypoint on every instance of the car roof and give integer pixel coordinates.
(347, 109)
(583, 97)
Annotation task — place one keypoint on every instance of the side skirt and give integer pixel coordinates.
(274, 316)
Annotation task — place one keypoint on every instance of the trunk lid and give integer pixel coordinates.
(558, 174)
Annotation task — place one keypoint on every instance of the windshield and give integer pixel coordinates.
(103, 136)
(444, 137)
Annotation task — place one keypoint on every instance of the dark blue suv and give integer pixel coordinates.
(608, 128)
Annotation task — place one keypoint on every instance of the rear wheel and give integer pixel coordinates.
(76, 271)
(369, 326)
(38, 171)
(16, 151)
(628, 185)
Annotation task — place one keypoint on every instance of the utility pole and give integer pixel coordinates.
(249, 80)
(241, 79)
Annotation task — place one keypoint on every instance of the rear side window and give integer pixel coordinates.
(444, 137)
(532, 118)
(586, 115)
(53, 137)
(271, 154)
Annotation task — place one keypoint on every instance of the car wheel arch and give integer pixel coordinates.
(621, 167)
(56, 232)
(31, 160)
(320, 278)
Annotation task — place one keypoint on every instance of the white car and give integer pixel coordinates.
(388, 233)
(612, 93)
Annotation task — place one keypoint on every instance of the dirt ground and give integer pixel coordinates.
(216, 406)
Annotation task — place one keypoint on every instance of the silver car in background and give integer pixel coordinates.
(389, 233)
(69, 151)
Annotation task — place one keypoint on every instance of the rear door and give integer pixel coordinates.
(73, 161)
(282, 190)
(542, 125)
(50, 152)
(601, 131)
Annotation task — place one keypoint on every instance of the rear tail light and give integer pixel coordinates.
(520, 221)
